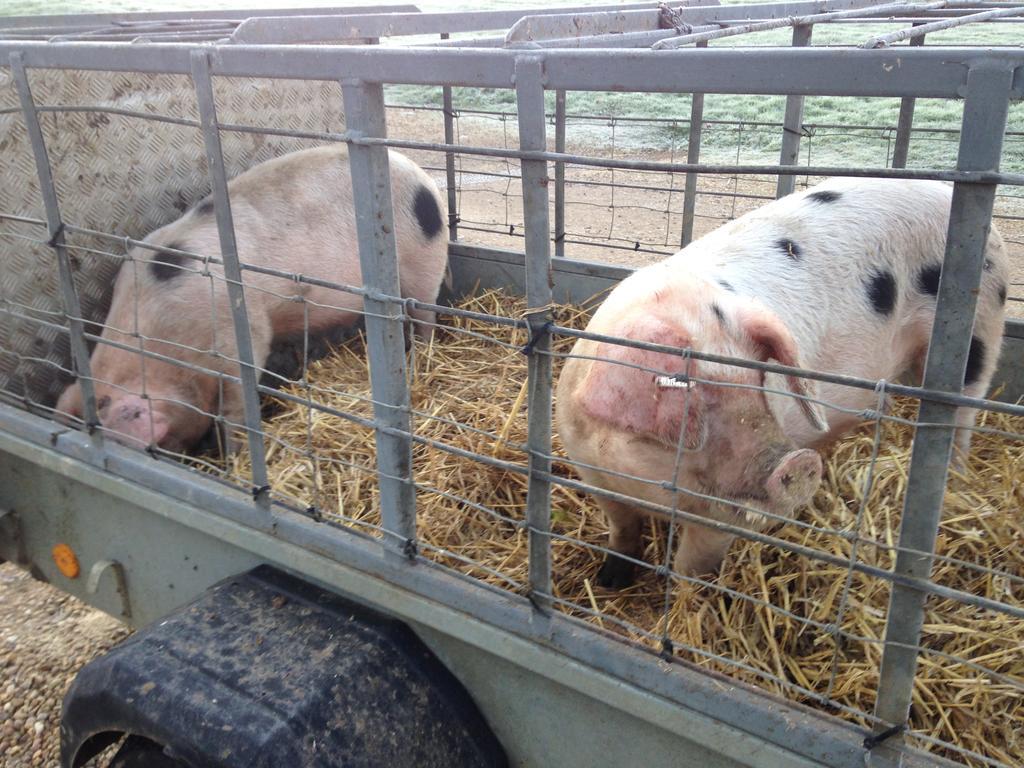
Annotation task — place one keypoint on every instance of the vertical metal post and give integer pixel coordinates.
(385, 325)
(559, 174)
(981, 138)
(906, 121)
(793, 121)
(692, 156)
(55, 228)
(449, 159)
(232, 274)
(532, 125)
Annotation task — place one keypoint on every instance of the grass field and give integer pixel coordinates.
(759, 145)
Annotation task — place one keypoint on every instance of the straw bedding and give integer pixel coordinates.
(463, 379)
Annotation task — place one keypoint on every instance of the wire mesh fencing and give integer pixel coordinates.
(633, 217)
(451, 420)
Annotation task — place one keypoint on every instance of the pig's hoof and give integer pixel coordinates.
(616, 573)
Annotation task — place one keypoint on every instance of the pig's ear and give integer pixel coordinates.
(622, 388)
(70, 401)
(775, 342)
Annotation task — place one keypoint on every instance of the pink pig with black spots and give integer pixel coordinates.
(293, 214)
(841, 278)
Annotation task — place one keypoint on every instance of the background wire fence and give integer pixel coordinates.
(635, 217)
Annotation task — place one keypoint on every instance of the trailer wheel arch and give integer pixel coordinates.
(266, 670)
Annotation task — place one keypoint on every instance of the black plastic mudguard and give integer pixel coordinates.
(266, 670)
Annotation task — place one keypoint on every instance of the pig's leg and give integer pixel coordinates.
(424, 325)
(625, 528)
(965, 419)
(701, 550)
(233, 410)
(982, 361)
(231, 427)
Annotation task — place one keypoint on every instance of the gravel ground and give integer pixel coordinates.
(45, 637)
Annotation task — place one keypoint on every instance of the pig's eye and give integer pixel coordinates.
(103, 402)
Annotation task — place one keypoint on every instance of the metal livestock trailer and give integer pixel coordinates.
(511, 673)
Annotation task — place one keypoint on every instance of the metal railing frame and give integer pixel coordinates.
(986, 81)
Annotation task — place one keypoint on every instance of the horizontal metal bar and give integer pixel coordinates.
(930, 72)
(811, 128)
(317, 26)
(599, 162)
(649, 38)
(988, 177)
(625, 40)
(883, 41)
(791, 21)
(915, 19)
(566, 24)
(78, 21)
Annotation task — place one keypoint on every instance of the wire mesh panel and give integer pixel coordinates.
(291, 334)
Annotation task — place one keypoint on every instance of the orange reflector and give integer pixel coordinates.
(66, 560)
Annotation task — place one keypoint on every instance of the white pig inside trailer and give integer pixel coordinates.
(841, 279)
(293, 214)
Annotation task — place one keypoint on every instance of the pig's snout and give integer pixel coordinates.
(132, 420)
(793, 482)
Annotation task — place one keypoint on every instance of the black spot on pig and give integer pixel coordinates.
(928, 279)
(881, 288)
(284, 362)
(1002, 293)
(427, 212)
(789, 248)
(824, 196)
(727, 285)
(718, 313)
(205, 208)
(975, 361)
(165, 265)
(616, 573)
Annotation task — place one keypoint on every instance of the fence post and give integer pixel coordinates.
(385, 322)
(55, 229)
(906, 121)
(981, 137)
(693, 157)
(793, 121)
(532, 127)
(232, 274)
(559, 174)
(449, 159)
